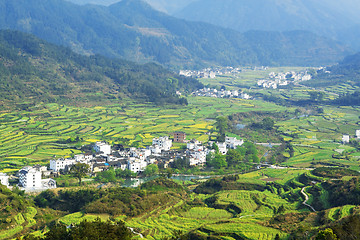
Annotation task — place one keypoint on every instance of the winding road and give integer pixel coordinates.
(306, 199)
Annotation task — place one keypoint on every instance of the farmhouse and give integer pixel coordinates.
(179, 137)
(233, 143)
(222, 147)
(136, 165)
(4, 179)
(346, 139)
(164, 143)
(102, 147)
(29, 177)
(61, 164)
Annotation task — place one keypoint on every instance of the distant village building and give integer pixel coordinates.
(233, 143)
(102, 147)
(61, 164)
(197, 158)
(357, 134)
(48, 183)
(29, 177)
(83, 158)
(346, 139)
(136, 165)
(179, 137)
(4, 179)
(222, 147)
(164, 143)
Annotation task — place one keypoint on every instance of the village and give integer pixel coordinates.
(276, 80)
(212, 72)
(222, 93)
(104, 156)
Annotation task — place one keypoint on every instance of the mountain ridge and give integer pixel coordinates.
(133, 30)
(323, 17)
(32, 70)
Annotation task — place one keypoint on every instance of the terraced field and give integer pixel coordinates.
(37, 135)
(21, 222)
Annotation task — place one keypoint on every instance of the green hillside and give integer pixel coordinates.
(34, 71)
(133, 30)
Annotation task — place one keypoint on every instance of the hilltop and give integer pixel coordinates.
(133, 30)
(34, 71)
(334, 19)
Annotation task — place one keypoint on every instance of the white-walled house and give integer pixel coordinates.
(83, 158)
(61, 163)
(233, 143)
(4, 179)
(164, 143)
(102, 147)
(136, 165)
(30, 177)
(197, 158)
(357, 134)
(222, 147)
(346, 139)
(194, 145)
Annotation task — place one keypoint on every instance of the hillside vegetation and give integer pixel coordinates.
(133, 30)
(34, 71)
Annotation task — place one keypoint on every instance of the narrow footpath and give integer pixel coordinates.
(306, 199)
(139, 234)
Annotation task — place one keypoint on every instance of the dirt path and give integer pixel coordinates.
(306, 199)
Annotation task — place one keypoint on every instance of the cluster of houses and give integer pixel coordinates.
(133, 159)
(346, 138)
(210, 72)
(212, 92)
(30, 179)
(283, 79)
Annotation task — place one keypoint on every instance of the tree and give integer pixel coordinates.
(233, 157)
(268, 123)
(151, 170)
(217, 161)
(326, 234)
(79, 171)
(316, 96)
(86, 230)
(106, 176)
(221, 126)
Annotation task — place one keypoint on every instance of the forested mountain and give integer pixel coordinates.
(346, 71)
(133, 30)
(323, 17)
(32, 70)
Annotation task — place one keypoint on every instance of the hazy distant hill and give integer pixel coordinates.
(34, 71)
(325, 17)
(133, 30)
(168, 6)
(346, 71)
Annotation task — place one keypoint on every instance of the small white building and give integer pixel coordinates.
(61, 163)
(233, 143)
(357, 134)
(102, 147)
(194, 145)
(155, 149)
(346, 139)
(136, 165)
(83, 158)
(30, 177)
(4, 179)
(48, 183)
(197, 158)
(222, 147)
(164, 143)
